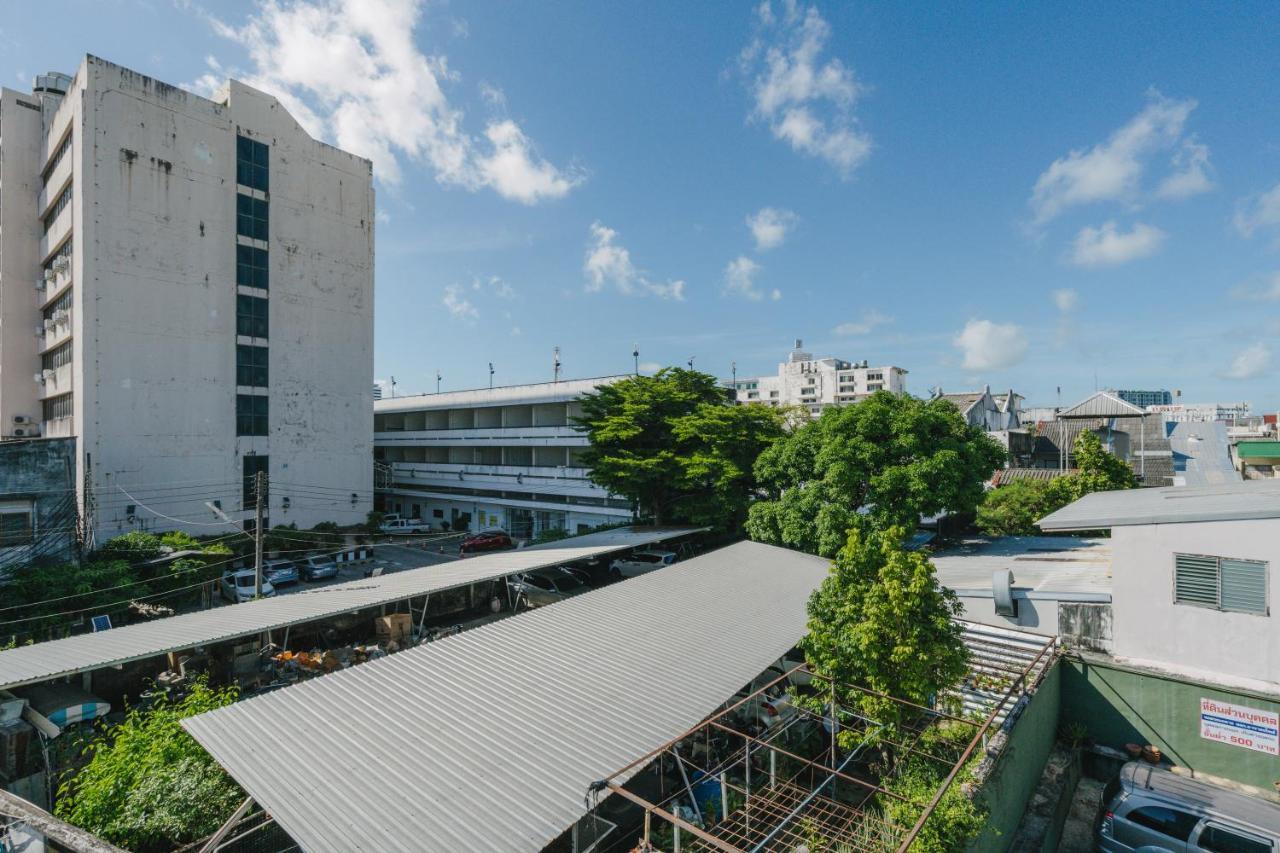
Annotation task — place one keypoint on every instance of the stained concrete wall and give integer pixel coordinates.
(155, 306)
(1121, 704)
(41, 471)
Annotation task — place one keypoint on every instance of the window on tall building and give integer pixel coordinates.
(15, 523)
(252, 466)
(1220, 583)
(251, 316)
(251, 365)
(56, 408)
(251, 163)
(56, 357)
(59, 205)
(251, 266)
(251, 414)
(251, 217)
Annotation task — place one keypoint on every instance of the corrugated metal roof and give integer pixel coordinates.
(42, 661)
(1102, 405)
(1202, 453)
(1250, 499)
(488, 740)
(1258, 449)
(508, 395)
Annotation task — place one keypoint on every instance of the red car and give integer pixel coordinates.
(488, 540)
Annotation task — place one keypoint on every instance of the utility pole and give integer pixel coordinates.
(733, 367)
(260, 498)
(691, 358)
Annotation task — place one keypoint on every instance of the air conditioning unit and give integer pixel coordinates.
(41, 284)
(49, 274)
(21, 419)
(40, 331)
(39, 378)
(59, 315)
(48, 325)
(61, 263)
(20, 433)
(47, 374)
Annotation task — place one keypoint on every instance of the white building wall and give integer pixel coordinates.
(20, 147)
(153, 320)
(1236, 648)
(817, 383)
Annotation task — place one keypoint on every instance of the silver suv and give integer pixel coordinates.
(1151, 808)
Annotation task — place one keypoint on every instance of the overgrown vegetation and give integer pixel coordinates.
(1013, 510)
(148, 785)
(673, 444)
(959, 817)
(892, 457)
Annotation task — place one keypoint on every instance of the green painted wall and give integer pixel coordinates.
(1120, 705)
(1009, 786)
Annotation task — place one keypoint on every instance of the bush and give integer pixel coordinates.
(1013, 510)
(148, 785)
(137, 546)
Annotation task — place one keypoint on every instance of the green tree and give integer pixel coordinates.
(891, 456)
(674, 445)
(137, 546)
(148, 785)
(43, 596)
(1096, 470)
(880, 620)
(1014, 509)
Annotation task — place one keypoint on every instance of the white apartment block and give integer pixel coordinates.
(186, 287)
(817, 383)
(1202, 412)
(492, 458)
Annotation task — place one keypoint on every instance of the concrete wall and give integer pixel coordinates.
(19, 238)
(1238, 648)
(1009, 784)
(1121, 704)
(155, 312)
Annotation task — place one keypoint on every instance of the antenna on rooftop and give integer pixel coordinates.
(690, 362)
(393, 386)
(635, 354)
(556, 367)
(437, 381)
(491, 375)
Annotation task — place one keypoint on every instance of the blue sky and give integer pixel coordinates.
(1021, 196)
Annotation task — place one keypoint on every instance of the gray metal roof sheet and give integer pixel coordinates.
(506, 395)
(488, 740)
(1102, 405)
(1049, 566)
(42, 661)
(1206, 448)
(1250, 499)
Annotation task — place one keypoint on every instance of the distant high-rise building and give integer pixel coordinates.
(1142, 399)
(188, 292)
(817, 383)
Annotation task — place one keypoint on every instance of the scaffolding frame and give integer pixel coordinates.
(790, 810)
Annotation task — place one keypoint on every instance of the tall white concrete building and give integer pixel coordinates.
(493, 457)
(186, 287)
(817, 383)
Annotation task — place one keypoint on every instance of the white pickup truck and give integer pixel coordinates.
(405, 525)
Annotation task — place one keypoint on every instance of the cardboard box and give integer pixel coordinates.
(397, 628)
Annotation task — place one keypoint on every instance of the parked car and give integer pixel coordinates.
(280, 572)
(405, 525)
(593, 571)
(641, 562)
(540, 588)
(318, 568)
(1148, 807)
(238, 585)
(485, 540)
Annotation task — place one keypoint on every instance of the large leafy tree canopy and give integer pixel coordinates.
(891, 455)
(882, 621)
(672, 443)
(148, 785)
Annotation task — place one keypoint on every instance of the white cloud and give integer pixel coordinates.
(609, 263)
(460, 307)
(869, 321)
(769, 227)
(806, 100)
(775, 295)
(1260, 212)
(495, 285)
(740, 279)
(1268, 290)
(1112, 170)
(1107, 245)
(991, 346)
(650, 367)
(352, 73)
(1191, 175)
(1065, 300)
(1249, 362)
